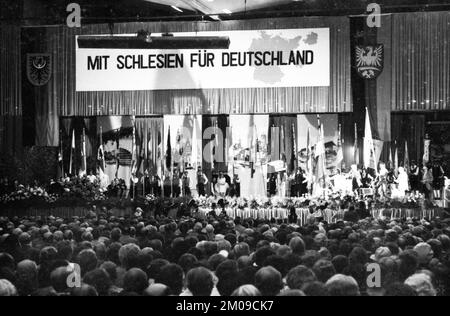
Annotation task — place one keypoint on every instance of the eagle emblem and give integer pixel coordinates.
(369, 61)
(39, 68)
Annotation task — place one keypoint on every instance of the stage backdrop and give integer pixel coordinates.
(331, 133)
(185, 141)
(248, 150)
(118, 143)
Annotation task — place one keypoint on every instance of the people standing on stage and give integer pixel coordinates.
(236, 186)
(221, 187)
(403, 182)
(366, 179)
(414, 177)
(202, 181)
(272, 184)
(427, 181)
(382, 183)
(356, 178)
(281, 184)
(186, 184)
(438, 180)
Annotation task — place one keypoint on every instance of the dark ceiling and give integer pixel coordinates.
(44, 12)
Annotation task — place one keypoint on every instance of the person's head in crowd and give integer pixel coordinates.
(215, 260)
(241, 249)
(398, 289)
(298, 246)
(246, 291)
(27, 277)
(129, 256)
(85, 290)
(276, 262)
(422, 284)
(340, 263)
(424, 253)
(259, 257)
(342, 285)
(135, 281)
(199, 281)
(65, 250)
(100, 279)
(227, 273)
(59, 278)
(315, 289)
(157, 289)
(87, 259)
(110, 268)
(154, 269)
(292, 293)
(324, 270)
(408, 265)
(300, 276)
(7, 288)
(172, 276)
(268, 281)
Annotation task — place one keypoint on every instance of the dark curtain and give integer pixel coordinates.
(222, 122)
(421, 61)
(10, 135)
(411, 128)
(10, 74)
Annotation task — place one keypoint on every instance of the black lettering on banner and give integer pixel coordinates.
(225, 59)
(120, 62)
(98, 63)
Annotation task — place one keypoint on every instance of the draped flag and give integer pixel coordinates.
(391, 159)
(340, 150)
(294, 147)
(426, 151)
(406, 158)
(101, 153)
(72, 152)
(134, 155)
(83, 169)
(369, 148)
(60, 158)
(308, 153)
(396, 160)
(356, 149)
(320, 156)
(169, 152)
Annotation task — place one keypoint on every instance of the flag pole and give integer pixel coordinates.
(62, 152)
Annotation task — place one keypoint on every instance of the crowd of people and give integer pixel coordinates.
(141, 255)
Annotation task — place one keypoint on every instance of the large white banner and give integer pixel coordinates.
(255, 59)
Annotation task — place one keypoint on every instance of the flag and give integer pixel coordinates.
(134, 160)
(60, 157)
(101, 153)
(356, 149)
(426, 151)
(320, 156)
(72, 152)
(308, 153)
(340, 151)
(83, 169)
(396, 160)
(391, 160)
(406, 158)
(294, 149)
(369, 148)
(378, 145)
(282, 145)
(168, 152)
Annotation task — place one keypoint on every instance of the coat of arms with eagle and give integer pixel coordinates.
(369, 61)
(39, 68)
